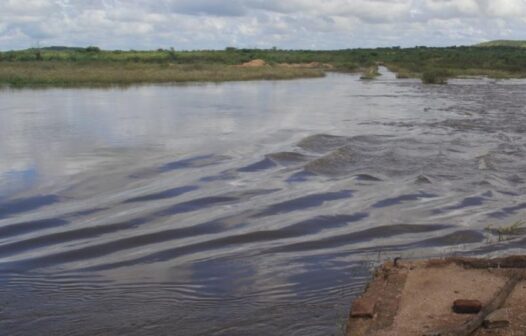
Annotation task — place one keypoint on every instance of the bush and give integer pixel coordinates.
(93, 49)
(172, 54)
(435, 77)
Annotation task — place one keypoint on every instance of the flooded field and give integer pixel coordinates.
(255, 208)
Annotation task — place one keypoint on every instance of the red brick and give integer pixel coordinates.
(467, 306)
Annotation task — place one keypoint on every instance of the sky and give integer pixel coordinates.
(286, 24)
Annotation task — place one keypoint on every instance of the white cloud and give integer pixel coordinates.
(197, 24)
(507, 8)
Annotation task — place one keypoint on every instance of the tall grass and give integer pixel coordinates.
(505, 232)
(64, 74)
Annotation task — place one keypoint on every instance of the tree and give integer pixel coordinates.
(93, 49)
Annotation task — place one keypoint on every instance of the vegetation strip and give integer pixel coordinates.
(62, 66)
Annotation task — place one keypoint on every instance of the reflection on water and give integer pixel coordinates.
(252, 208)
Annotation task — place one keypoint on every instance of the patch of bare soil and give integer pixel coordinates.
(257, 63)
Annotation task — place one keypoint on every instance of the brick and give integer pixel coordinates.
(467, 306)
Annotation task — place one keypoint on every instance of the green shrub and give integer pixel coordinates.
(92, 49)
(435, 77)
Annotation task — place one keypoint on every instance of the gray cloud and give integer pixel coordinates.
(207, 7)
(198, 24)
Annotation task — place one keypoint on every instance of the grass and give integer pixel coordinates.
(402, 73)
(66, 74)
(503, 232)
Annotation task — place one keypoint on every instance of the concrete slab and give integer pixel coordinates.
(417, 297)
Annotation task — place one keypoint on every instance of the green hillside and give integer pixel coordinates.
(503, 43)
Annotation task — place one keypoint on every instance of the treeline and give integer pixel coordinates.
(230, 56)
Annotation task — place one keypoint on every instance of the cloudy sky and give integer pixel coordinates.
(215, 24)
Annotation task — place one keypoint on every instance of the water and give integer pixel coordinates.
(254, 208)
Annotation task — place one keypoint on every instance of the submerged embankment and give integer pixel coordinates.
(246, 207)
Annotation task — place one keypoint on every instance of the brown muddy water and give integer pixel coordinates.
(254, 208)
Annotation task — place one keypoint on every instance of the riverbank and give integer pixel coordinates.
(68, 74)
(64, 67)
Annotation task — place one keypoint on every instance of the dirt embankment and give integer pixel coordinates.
(257, 63)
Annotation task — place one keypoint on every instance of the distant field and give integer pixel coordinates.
(61, 66)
